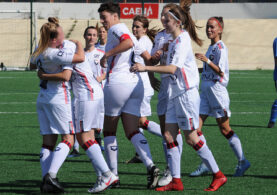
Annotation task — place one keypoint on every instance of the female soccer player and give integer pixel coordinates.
(214, 95)
(144, 36)
(53, 102)
(102, 38)
(123, 92)
(88, 103)
(183, 97)
(159, 55)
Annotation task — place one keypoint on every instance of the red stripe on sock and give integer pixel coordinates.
(133, 134)
(198, 145)
(199, 133)
(106, 134)
(230, 134)
(179, 132)
(51, 148)
(145, 124)
(89, 143)
(172, 144)
(67, 143)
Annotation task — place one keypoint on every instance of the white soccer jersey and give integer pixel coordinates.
(218, 54)
(119, 66)
(99, 46)
(180, 54)
(52, 61)
(94, 58)
(161, 42)
(84, 83)
(146, 44)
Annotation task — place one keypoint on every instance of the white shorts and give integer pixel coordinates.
(215, 100)
(55, 118)
(184, 110)
(125, 97)
(145, 108)
(163, 97)
(88, 115)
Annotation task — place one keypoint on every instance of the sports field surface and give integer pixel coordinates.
(251, 92)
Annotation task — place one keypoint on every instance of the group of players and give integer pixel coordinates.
(65, 65)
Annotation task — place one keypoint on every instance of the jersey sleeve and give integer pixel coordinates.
(139, 48)
(121, 33)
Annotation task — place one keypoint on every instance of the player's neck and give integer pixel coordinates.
(89, 48)
(176, 33)
(215, 40)
(103, 41)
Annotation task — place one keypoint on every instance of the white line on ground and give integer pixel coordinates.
(19, 93)
(17, 112)
(17, 103)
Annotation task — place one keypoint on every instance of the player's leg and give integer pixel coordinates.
(235, 144)
(273, 115)
(202, 168)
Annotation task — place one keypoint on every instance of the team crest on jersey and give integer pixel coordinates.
(114, 148)
(96, 62)
(60, 53)
(143, 141)
(214, 50)
(96, 55)
(211, 57)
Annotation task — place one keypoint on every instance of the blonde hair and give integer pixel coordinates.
(48, 31)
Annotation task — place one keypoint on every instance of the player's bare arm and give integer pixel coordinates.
(61, 76)
(215, 68)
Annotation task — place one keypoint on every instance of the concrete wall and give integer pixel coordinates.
(199, 11)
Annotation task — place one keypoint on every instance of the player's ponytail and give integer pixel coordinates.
(188, 23)
(48, 31)
(151, 33)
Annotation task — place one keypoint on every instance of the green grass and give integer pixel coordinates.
(251, 94)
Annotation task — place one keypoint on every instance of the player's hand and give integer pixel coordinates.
(137, 67)
(40, 74)
(155, 83)
(103, 61)
(99, 79)
(201, 57)
(157, 55)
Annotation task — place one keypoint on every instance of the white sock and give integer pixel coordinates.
(179, 139)
(94, 153)
(142, 148)
(154, 128)
(97, 171)
(165, 151)
(111, 151)
(45, 160)
(207, 157)
(76, 145)
(235, 144)
(59, 156)
(174, 161)
(141, 131)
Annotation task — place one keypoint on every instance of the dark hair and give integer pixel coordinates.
(182, 12)
(110, 7)
(151, 33)
(219, 21)
(90, 27)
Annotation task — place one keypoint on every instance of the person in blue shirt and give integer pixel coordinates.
(273, 115)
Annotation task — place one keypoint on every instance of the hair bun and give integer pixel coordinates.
(53, 20)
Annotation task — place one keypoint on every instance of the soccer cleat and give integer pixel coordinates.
(116, 184)
(153, 177)
(241, 168)
(166, 179)
(135, 159)
(219, 179)
(74, 153)
(175, 185)
(270, 125)
(103, 184)
(201, 170)
(51, 185)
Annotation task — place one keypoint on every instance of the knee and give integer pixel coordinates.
(224, 130)
(189, 142)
